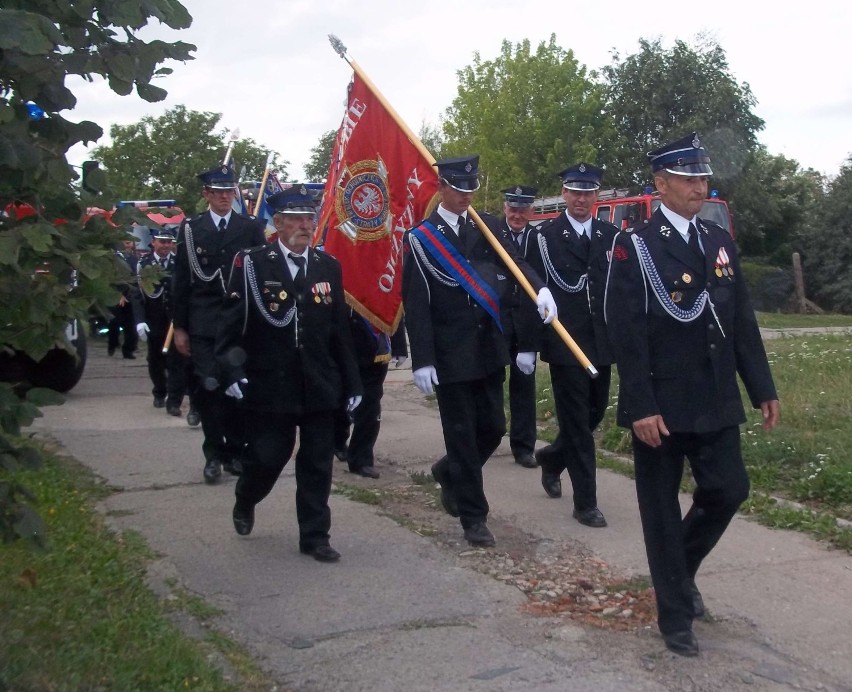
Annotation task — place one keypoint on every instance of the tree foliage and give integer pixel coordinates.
(826, 246)
(160, 157)
(528, 115)
(773, 201)
(657, 95)
(317, 167)
(46, 244)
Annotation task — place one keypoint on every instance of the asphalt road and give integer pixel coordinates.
(403, 611)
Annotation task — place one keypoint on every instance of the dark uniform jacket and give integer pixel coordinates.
(204, 256)
(446, 327)
(684, 371)
(510, 308)
(154, 308)
(298, 349)
(577, 281)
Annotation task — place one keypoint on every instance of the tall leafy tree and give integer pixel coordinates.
(45, 243)
(772, 202)
(527, 114)
(658, 94)
(826, 246)
(160, 157)
(317, 167)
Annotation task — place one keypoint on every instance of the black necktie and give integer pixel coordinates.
(585, 242)
(462, 224)
(222, 224)
(693, 241)
(299, 279)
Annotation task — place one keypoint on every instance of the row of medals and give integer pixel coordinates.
(274, 307)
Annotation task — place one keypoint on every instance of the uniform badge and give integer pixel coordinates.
(282, 295)
(199, 251)
(238, 261)
(677, 296)
(718, 271)
(272, 255)
(273, 307)
(723, 264)
(686, 278)
(665, 231)
(265, 291)
(619, 253)
(582, 168)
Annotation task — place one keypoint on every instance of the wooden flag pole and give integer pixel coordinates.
(261, 191)
(169, 336)
(340, 49)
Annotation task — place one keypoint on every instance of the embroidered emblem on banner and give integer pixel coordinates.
(362, 201)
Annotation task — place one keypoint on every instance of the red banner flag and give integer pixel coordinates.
(379, 185)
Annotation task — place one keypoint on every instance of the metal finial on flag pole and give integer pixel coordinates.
(518, 275)
(229, 152)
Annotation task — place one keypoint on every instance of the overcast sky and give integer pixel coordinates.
(269, 69)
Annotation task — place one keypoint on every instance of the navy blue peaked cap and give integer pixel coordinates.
(582, 176)
(520, 195)
(220, 178)
(461, 173)
(294, 200)
(684, 156)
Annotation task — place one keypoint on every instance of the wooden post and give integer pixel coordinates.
(799, 284)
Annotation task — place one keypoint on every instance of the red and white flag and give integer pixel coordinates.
(379, 185)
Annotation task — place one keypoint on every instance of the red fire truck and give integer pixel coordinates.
(623, 210)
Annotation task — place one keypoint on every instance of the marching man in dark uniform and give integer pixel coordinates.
(452, 285)
(206, 246)
(169, 372)
(515, 226)
(572, 253)
(682, 327)
(285, 348)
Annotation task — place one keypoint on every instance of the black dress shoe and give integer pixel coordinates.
(695, 598)
(526, 460)
(193, 418)
(129, 356)
(366, 471)
(682, 643)
(159, 402)
(173, 411)
(243, 518)
(321, 553)
(590, 517)
(234, 467)
(551, 483)
(441, 475)
(479, 535)
(212, 470)
(110, 350)
(341, 453)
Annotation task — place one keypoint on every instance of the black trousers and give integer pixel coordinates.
(221, 418)
(676, 546)
(170, 372)
(473, 423)
(271, 439)
(522, 430)
(122, 321)
(367, 417)
(580, 406)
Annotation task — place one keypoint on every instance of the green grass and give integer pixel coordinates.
(807, 459)
(777, 320)
(79, 615)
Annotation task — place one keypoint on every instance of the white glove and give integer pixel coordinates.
(424, 378)
(546, 305)
(234, 389)
(142, 330)
(399, 361)
(526, 362)
(353, 402)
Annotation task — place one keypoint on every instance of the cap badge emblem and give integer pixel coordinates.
(468, 167)
(582, 168)
(518, 190)
(696, 142)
